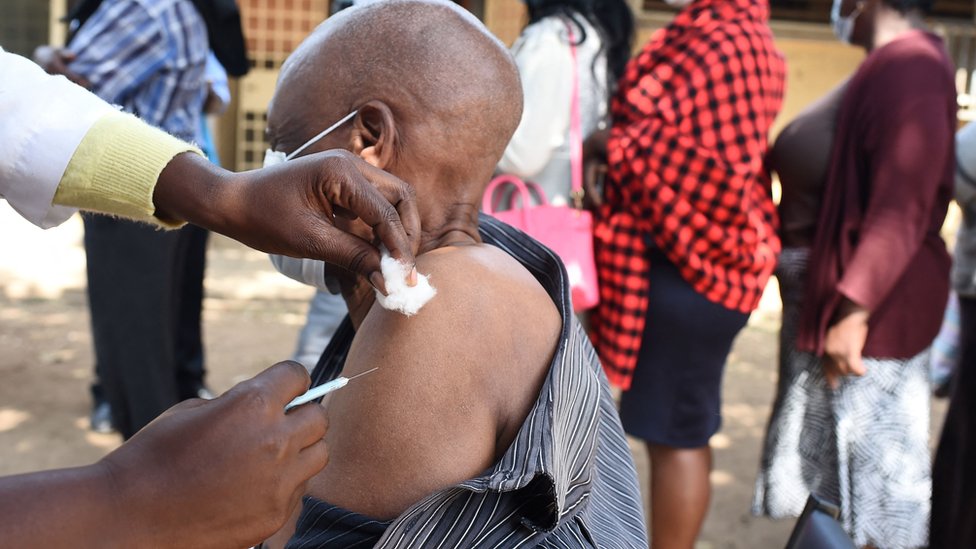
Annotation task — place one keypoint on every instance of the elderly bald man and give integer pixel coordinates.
(489, 422)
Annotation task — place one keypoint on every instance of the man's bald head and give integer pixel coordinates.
(451, 87)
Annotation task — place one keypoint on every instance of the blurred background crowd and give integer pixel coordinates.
(804, 143)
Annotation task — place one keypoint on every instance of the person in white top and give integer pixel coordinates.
(44, 121)
(603, 33)
(169, 486)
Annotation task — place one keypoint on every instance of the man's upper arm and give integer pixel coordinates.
(421, 422)
(119, 48)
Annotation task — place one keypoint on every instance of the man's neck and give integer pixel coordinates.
(448, 205)
(455, 225)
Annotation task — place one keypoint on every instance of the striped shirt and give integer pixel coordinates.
(567, 480)
(148, 56)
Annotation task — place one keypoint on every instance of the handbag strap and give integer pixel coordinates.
(575, 128)
(490, 206)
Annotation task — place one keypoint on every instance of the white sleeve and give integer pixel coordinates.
(546, 68)
(44, 119)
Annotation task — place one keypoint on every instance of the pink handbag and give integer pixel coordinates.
(566, 230)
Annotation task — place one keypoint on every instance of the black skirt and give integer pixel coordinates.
(675, 395)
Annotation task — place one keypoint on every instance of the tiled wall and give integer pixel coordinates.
(275, 27)
(24, 25)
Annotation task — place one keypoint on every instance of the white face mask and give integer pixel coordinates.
(273, 158)
(678, 3)
(844, 25)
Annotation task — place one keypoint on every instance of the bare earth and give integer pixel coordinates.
(252, 318)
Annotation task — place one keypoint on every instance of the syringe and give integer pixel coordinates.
(324, 389)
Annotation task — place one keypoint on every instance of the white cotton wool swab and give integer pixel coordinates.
(402, 298)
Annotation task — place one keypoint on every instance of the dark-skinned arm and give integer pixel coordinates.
(220, 473)
(288, 209)
(126, 168)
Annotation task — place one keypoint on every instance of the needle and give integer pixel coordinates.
(324, 389)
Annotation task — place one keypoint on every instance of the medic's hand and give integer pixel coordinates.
(289, 209)
(221, 473)
(56, 60)
(844, 342)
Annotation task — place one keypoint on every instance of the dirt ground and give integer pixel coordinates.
(252, 318)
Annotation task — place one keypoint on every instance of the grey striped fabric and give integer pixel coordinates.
(568, 479)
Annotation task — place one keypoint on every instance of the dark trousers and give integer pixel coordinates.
(190, 371)
(137, 276)
(953, 521)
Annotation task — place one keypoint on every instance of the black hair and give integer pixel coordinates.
(905, 6)
(612, 19)
(339, 5)
(617, 21)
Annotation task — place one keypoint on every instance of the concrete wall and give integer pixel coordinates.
(814, 67)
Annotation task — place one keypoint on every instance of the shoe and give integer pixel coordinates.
(101, 418)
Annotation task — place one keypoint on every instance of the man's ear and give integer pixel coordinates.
(374, 134)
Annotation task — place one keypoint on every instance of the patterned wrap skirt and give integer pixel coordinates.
(863, 446)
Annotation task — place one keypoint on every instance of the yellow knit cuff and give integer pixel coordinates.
(115, 168)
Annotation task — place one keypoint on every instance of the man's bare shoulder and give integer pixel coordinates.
(483, 273)
(483, 295)
(488, 335)
(454, 383)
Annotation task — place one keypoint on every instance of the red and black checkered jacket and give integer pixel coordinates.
(685, 155)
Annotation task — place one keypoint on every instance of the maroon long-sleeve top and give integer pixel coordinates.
(888, 188)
